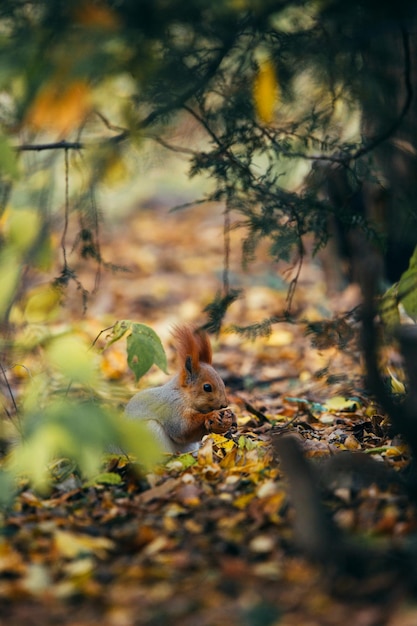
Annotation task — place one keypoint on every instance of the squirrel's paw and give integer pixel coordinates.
(221, 421)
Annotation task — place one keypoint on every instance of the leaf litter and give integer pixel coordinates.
(210, 538)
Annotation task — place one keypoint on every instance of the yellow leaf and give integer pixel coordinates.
(242, 501)
(114, 169)
(205, 452)
(340, 403)
(266, 91)
(394, 451)
(229, 461)
(221, 441)
(80, 570)
(70, 545)
(10, 559)
(396, 385)
(42, 304)
(351, 443)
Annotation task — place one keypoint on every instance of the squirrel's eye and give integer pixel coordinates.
(207, 387)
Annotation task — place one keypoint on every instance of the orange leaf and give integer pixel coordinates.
(60, 107)
(90, 14)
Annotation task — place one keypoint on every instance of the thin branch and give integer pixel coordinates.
(347, 158)
(9, 389)
(293, 284)
(147, 121)
(66, 212)
(55, 145)
(70, 145)
(187, 205)
(204, 124)
(108, 124)
(193, 89)
(99, 335)
(169, 146)
(96, 227)
(226, 239)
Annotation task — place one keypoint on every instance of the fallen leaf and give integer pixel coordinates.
(71, 545)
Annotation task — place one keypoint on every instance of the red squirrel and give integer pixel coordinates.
(192, 404)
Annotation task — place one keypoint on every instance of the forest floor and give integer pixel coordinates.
(212, 540)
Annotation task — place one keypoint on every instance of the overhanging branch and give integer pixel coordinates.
(70, 145)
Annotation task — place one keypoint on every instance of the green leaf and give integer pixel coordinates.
(187, 460)
(407, 291)
(244, 443)
(388, 308)
(144, 349)
(106, 478)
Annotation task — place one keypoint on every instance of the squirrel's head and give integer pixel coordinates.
(203, 385)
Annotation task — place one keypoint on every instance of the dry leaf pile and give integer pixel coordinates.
(212, 539)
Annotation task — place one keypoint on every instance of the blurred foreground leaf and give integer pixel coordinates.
(42, 304)
(60, 106)
(8, 159)
(70, 356)
(10, 272)
(7, 489)
(81, 431)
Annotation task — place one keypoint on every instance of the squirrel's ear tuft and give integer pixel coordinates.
(205, 353)
(188, 349)
(192, 342)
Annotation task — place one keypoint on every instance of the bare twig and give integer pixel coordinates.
(253, 411)
(99, 335)
(170, 146)
(66, 213)
(9, 389)
(70, 145)
(226, 239)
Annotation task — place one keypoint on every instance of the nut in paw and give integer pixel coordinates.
(221, 421)
(230, 418)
